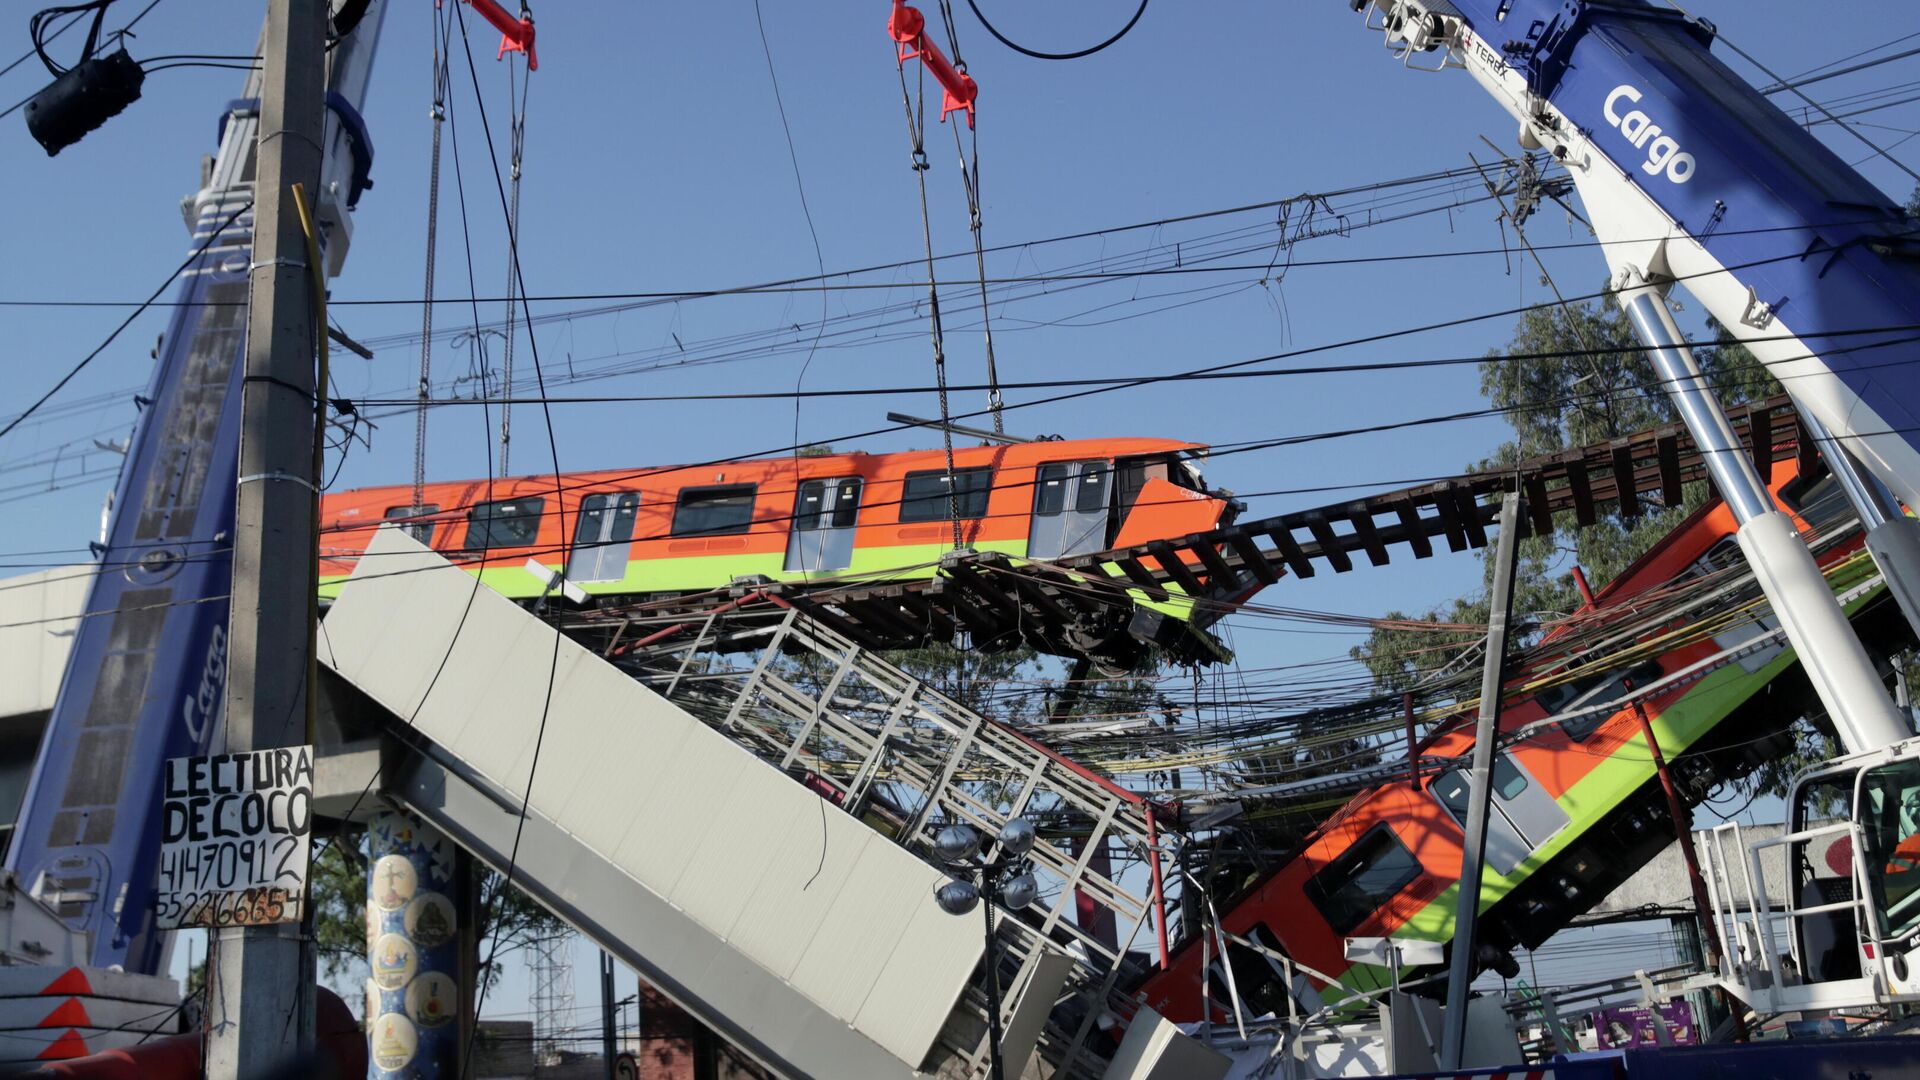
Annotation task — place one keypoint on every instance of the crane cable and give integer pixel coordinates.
(916, 129)
(970, 181)
(424, 392)
(517, 139)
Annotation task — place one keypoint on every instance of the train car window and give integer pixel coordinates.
(1133, 474)
(1599, 690)
(925, 497)
(714, 511)
(419, 530)
(846, 506)
(1352, 887)
(1508, 781)
(1451, 787)
(809, 510)
(1093, 487)
(813, 512)
(1260, 978)
(1819, 504)
(1050, 488)
(505, 524)
(1189, 472)
(1722, 555)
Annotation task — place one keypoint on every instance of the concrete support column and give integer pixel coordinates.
(416, 995)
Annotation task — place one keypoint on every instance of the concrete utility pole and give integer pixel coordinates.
(1480, 785)
(609, 1045)
(260, 1004)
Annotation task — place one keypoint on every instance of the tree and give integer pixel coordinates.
(1571, 375)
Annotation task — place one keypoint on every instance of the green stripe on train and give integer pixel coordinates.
(1593, 796)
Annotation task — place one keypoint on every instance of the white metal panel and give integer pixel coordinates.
(541, 710)
(1029, 1019)
(403, 656)
(915, 990)
(853, 925)
(861, 930)
(33, 654)
(739, 842)
(671, 816)
(610, 750)
(802, 882)
(458, 696)
(494, 729)
(1154, 1048)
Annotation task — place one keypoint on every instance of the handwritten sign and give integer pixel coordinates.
(236, 835)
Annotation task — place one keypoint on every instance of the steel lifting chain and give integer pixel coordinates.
(517, 139)
(970, 180)
(916, 128)
(425, 390)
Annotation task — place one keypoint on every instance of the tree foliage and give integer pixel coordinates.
(1571, 375)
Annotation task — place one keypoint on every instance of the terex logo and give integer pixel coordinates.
(1663, 153)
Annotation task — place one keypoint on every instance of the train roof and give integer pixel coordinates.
(1010, 454)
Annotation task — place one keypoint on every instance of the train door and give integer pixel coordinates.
(825, 516)
(603, 538)
(1525, 815)
(1072, 502)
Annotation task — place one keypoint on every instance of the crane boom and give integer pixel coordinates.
(1690, 176)
(146, 678)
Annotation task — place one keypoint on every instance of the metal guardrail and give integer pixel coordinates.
(889, 749)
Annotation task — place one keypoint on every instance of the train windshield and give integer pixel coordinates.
(1590, 693)
(1819, 504)
(1354, 886)
(1888, 813)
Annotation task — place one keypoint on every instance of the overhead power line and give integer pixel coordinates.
(128, 321)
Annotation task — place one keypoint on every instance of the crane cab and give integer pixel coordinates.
(1846, 933)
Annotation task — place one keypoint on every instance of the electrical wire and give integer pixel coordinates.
(811, 283)
(553, 667)
(191, 258)
(1039, 55)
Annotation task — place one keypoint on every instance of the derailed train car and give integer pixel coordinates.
(1577, 804)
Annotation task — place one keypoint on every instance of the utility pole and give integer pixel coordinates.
(1480, 789)
(261, 1001)
(609, 1046)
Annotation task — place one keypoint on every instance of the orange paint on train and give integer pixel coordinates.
(1287, 909)
(348, 518)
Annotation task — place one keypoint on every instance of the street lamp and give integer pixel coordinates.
(1009, 875)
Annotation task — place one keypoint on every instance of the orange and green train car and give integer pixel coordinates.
(1577, 804)
(641, 533)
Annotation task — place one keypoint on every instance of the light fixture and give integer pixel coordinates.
(957, 843)
(957, 897)
(1016, 837)
(1019, 891)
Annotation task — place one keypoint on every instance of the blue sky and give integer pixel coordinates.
(655, 161)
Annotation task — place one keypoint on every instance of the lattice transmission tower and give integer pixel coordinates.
(550, 970)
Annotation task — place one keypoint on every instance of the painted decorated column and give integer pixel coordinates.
(413, 950)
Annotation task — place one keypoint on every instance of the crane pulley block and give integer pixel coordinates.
(908, 27)
(516, 35)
